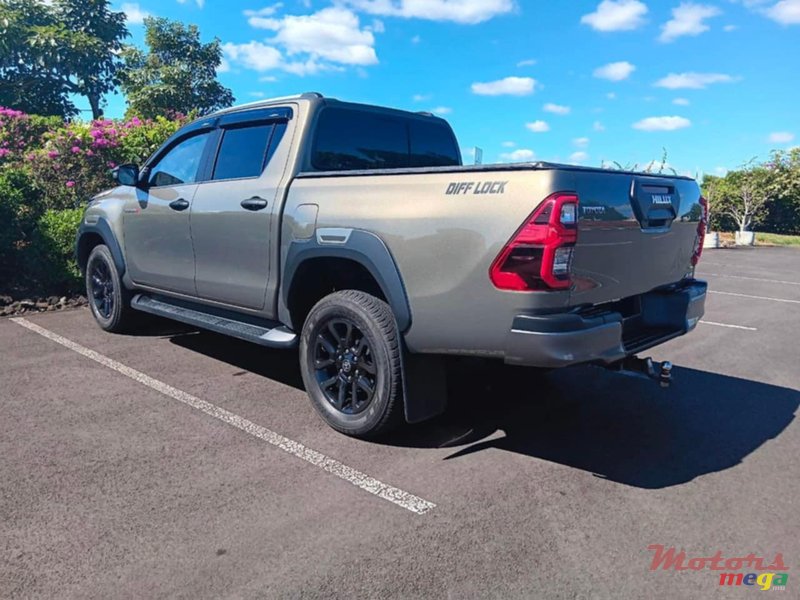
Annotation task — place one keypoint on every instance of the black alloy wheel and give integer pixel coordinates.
(344, 366)
(102, 289)
(351, 363)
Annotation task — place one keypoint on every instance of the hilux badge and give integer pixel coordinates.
(662, 199)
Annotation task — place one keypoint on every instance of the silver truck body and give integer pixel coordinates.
(427, 236)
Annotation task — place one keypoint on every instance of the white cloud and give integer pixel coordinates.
(256, 94)
(200, 3)
(616, 15)
(578, 157)
(598, 126)
(306, 44)
(786, 12)
(416, 39)
(421, 97)
(521, 155)
(780, 137)
(693, 81)
(442, 110)
(615, 71)
(681, 102)
(224, 66)
(611, 96)
(332, 34)
(729, 28)
(538, 126)
(581, 142)
(260, 18)
(511, 86)
(459, 11)
(526, 63)
(268, 79)
(687, 19)
(253, 55)
(508, 144)
(134, 15)
(662, 123)
(556, 109)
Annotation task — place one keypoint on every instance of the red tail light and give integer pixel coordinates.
(539, 256)
(701, 232)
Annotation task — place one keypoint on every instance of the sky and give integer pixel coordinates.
(715, 84)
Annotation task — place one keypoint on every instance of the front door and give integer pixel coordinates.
(235, 214)
(158, 243)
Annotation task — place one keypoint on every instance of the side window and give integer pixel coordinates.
(181, 163)
(243, 152)
(347, 140)
(432, 145)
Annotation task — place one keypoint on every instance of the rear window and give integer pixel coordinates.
(347, 140)
(432, 145)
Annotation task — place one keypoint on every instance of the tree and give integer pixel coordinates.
(49, 51)
(95, 38)
(177, 75)
(747, 195)
(29, 78)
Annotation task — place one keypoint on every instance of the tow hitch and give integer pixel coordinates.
(645, 367)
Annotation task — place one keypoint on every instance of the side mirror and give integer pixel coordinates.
(127, 174)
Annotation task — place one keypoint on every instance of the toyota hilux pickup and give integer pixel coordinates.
(355, 234)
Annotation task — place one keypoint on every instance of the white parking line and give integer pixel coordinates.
(369, 484)
(754, 297)
(728, 325)
(754, 278)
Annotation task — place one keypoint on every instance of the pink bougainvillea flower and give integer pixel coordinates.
(75, 149)
(70, 184)
(52, 153)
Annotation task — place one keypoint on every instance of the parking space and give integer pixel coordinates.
(190, 480)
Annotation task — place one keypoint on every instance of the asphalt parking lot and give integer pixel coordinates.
(169, 464)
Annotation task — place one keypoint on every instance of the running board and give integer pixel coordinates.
(264, 333)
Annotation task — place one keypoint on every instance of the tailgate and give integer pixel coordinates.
(635, 233)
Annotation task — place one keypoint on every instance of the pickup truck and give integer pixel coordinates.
(355, 234)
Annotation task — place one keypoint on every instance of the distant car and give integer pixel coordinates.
(355, 233)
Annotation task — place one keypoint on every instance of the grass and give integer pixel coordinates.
(776, 239)
(726, 239)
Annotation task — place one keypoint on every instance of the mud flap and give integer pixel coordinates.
(424, 386)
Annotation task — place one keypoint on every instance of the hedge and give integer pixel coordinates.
(48, 171)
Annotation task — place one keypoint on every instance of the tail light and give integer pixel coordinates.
(539, 256)
(701, 232)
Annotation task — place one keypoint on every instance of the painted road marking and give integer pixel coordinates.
(754, 297)
(369, 484)
(754, 278)
(728, 325)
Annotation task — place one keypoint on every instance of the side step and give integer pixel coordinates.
(258, 331)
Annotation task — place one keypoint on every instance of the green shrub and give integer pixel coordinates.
(50, 259)
(143, 137)
(20, 209)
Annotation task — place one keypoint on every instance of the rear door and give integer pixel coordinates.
(234, 214)
(635, 233)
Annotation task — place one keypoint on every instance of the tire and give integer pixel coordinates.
(370, 358)
(108, 299)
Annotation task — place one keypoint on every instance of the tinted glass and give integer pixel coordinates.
(242, 152)
(432, 145)
(347, 140)
(181, 163)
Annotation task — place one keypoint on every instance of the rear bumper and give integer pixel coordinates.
(606, 333)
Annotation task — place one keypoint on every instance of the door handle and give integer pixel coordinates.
(179, 204)
(254, 203)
